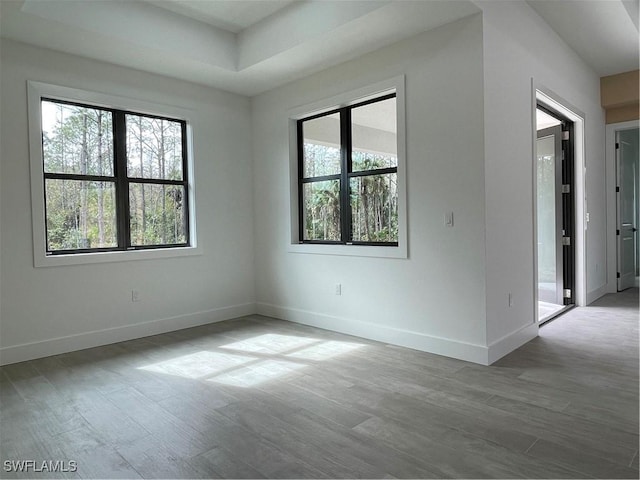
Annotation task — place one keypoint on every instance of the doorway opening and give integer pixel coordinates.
(554, 203)
(627, 208)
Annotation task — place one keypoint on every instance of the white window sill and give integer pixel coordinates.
(349, 250)
(119, 256)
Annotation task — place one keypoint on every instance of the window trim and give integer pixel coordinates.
(370, 93)
(38, 91)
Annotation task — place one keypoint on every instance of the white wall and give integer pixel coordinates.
(518, 47)
(42, 307)
(435, 299)
(469, 150)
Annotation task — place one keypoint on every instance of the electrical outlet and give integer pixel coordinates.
(338, 289)
(135, 296)
(448, 219)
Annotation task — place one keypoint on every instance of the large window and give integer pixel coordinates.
(113, 179)
(348, 175)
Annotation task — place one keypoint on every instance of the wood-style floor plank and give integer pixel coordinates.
(261, 398)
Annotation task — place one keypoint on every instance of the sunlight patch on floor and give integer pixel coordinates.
(260, 359)
(270, 343)
(198, 365)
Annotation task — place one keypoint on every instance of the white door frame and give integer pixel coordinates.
(611, 180)
(546, 97)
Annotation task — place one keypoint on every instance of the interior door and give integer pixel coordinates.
(627, 196)
(549, 215)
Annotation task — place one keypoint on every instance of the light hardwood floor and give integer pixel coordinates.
(258, 397)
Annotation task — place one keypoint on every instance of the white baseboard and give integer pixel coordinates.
(593, 295)
(510, 342)
(96, 338)
(395, 336)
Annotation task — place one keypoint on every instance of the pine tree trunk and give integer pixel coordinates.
(63, 161)
(365, 207)
(144, 216)
(162, 175)
(83, 185)
(101, 187)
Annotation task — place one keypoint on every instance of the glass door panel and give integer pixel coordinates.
(549, 215)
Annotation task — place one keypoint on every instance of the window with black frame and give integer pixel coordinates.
(114, 180)
(347, 175)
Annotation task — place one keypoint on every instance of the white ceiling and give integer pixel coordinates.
(250, 46)
(283, 40)
(232, 15)
(603, 32)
